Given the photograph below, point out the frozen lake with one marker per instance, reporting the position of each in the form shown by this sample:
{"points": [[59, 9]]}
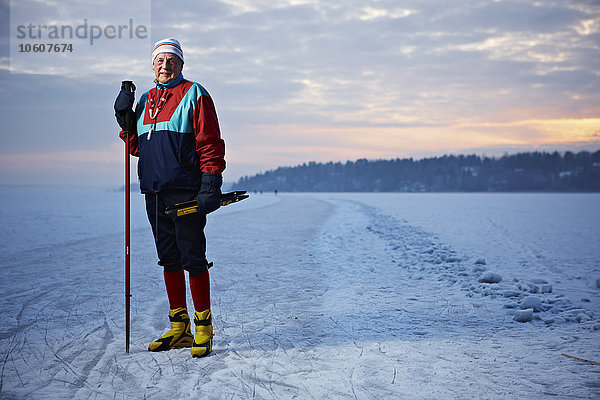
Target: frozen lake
{"points": [[329, 295]]}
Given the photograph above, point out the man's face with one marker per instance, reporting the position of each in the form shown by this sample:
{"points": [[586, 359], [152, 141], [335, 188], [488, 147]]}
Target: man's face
{"points": [[166, 67]]}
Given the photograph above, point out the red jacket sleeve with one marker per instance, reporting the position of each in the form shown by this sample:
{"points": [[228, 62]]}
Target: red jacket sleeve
{"points": [[134, 149], [209, 145]]}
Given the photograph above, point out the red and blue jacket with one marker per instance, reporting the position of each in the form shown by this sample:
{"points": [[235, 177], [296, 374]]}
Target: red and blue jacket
{"points": [[178, 137]]}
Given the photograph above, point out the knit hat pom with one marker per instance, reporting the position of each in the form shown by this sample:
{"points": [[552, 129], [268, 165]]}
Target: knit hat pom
{"points": [[169, 45]]}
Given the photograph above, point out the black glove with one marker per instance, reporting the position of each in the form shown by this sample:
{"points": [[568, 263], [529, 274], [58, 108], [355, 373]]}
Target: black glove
{"points": [[209, 196], [126, 120], [123, 104]]}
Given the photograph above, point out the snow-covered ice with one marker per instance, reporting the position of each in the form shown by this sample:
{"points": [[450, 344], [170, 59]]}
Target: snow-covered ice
{"points": [[366, 296]]}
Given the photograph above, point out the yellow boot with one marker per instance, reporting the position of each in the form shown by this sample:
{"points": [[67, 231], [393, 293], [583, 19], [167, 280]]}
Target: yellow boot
{"points": [[202, 345], [179, 335]]}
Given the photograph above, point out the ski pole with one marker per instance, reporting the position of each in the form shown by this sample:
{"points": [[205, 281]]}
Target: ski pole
{"points": [[127, 242], [123, 105]]}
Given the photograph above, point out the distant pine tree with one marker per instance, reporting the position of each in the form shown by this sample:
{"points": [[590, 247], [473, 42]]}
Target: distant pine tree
{"points": [[533, 171]]}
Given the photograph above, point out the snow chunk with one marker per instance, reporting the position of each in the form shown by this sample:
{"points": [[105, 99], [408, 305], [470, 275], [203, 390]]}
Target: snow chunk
{"points": [[532, 302], [546, 288], [523, 315], [511, 293], [479, 268], [490, 277], [522, 287], [533, 288], [577, 315], [539, 281]]}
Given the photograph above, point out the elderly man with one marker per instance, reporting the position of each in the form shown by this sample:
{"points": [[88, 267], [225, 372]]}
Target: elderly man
{"points": [[175, 132]]}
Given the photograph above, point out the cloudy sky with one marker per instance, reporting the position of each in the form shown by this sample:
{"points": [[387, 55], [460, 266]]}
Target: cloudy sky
{"points": [[312, 80]]}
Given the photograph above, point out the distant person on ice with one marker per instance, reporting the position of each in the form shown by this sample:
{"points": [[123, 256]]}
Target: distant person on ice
{"points": [[181, 158]]}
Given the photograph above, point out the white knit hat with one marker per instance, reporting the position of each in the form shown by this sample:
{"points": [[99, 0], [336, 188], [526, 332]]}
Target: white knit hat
{"points": [[169, 45]]}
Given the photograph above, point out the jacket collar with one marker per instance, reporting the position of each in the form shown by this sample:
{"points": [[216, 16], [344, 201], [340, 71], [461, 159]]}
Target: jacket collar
{"points": [[171, 84]]}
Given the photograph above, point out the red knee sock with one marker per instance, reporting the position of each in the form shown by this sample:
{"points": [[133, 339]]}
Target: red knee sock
{"points": [[175, 284], [200, 288]]}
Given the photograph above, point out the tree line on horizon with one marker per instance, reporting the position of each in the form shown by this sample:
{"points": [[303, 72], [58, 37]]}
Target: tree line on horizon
{"points": [[522, 172]]}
